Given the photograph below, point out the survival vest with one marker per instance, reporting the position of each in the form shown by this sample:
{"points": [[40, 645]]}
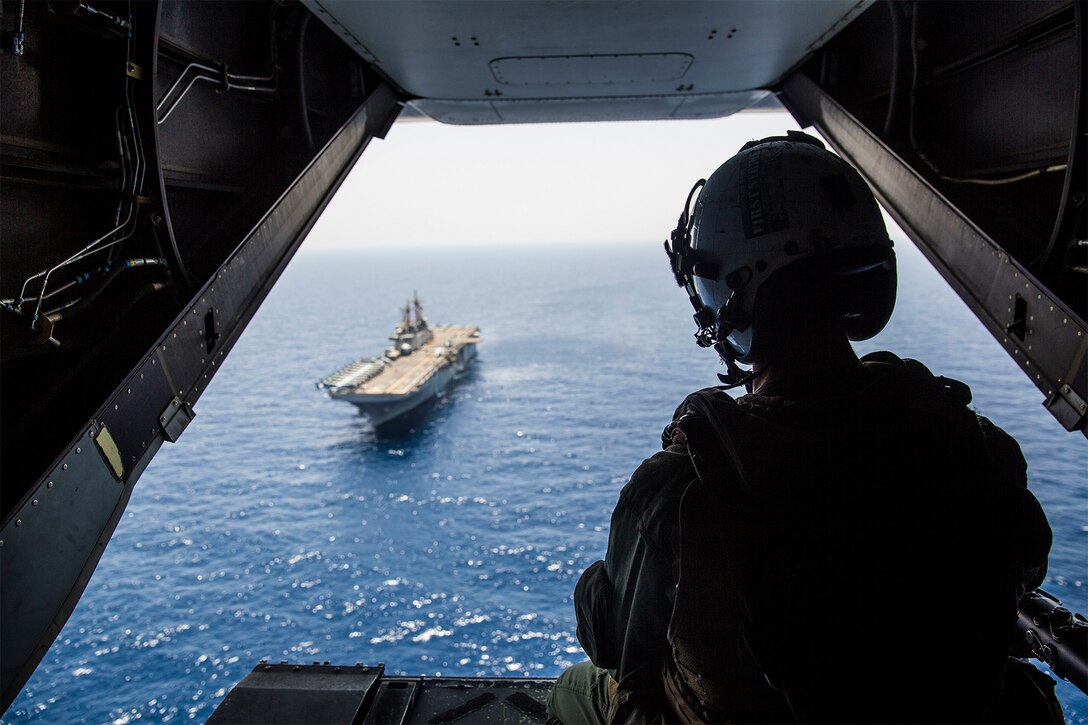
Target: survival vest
{"points": [[855, 559]]}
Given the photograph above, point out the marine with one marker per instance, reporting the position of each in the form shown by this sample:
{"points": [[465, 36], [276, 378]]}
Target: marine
{"points": [[846, 542]]}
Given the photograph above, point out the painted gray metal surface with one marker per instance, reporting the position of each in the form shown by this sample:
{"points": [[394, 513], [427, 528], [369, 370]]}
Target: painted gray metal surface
{"points": [[494, 62]]}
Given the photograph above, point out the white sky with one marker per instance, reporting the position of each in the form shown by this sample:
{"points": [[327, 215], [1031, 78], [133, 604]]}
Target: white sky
{"points": [[429, 184]]}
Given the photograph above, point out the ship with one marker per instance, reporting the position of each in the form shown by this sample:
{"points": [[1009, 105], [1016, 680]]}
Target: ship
{"points": [[419, 366]]}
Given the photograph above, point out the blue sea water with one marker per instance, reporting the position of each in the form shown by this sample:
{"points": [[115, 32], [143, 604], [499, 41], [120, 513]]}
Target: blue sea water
{"points": [[280, 526]]}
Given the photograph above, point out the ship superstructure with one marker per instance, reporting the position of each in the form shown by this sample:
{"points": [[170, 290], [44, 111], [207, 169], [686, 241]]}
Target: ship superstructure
{"points": [[418, 366]]}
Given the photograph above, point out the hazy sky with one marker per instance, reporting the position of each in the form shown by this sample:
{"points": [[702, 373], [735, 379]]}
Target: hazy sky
{"points": [[431, 184]]}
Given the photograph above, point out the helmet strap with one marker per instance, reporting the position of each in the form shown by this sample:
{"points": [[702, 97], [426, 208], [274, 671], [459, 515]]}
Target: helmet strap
{"points": [[685, 264], [734, 376]]}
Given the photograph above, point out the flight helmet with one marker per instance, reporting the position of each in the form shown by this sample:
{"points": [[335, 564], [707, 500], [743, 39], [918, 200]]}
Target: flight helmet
{"points": [[781, 220]]}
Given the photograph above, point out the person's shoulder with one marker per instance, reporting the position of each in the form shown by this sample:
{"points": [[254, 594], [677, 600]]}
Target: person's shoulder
{"points": [[926, 387], [1004, 452], [659, 480]]}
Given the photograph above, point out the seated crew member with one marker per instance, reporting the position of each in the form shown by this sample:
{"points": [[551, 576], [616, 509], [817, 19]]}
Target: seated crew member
{"points": [[848, 541]]}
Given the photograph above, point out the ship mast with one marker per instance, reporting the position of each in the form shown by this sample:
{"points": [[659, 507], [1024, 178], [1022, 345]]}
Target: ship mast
{"points": [[419, 308]]}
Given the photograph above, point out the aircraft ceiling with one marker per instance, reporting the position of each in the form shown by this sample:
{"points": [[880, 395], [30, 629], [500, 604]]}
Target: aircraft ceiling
{"points": [[551, 60]]}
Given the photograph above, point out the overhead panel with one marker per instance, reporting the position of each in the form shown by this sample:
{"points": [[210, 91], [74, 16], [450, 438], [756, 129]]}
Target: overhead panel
{"points": [[515, 62]]}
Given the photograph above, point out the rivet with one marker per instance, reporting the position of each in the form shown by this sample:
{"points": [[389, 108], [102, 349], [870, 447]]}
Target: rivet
{"points": [[175, 403], [115, 406], [64, 466], [91, 434], [130, 391], [78, 450], [164, 348], [134, 459], [49, 485], [141, 376], [175, 334], [34, 502], [18, 522], [143, 444]]}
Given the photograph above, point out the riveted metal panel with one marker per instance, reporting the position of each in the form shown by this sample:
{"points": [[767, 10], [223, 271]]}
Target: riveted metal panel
{"points": [[38, 567], [125, 413]]}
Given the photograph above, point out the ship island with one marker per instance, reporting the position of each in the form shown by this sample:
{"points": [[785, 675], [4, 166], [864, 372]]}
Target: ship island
{"points": [[419, 366]]}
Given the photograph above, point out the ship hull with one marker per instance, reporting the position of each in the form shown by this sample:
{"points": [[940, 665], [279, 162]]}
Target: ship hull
{"points": [[383, 410]]}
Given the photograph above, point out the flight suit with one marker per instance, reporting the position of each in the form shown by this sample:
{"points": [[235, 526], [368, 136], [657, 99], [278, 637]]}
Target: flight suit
{"points": [[855, 558]]}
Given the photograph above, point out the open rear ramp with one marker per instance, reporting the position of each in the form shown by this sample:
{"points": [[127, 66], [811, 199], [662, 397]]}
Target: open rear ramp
{"points": [[327, 694]]}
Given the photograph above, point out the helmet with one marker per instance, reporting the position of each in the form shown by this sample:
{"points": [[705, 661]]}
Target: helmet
{"points": [[771, 225]]}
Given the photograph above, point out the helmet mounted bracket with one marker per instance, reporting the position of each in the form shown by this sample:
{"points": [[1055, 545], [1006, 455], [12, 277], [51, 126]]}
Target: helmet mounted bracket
{"points": [[712, 327]]}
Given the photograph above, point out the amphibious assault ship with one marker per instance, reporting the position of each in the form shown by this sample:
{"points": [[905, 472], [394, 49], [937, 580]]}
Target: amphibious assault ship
{"points": [[419, 366]]}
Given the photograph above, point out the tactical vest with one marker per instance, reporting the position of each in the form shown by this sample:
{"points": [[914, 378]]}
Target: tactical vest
{"points": [[857, 559]]}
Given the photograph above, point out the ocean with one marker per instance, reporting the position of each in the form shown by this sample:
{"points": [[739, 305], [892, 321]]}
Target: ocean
{"points": [[281, 527]]}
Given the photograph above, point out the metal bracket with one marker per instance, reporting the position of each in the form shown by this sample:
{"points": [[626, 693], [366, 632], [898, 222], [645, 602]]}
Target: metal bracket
{"points": [[175, 418], [1069, 408], [1019, 325], [211, 331]]}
